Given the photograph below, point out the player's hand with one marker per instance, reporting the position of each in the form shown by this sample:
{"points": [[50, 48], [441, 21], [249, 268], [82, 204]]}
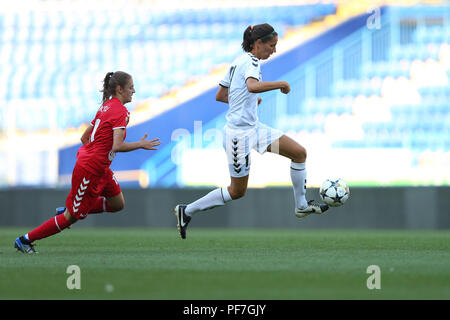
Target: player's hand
{"points": [[149, 144], [285, 88], [259, 101]]}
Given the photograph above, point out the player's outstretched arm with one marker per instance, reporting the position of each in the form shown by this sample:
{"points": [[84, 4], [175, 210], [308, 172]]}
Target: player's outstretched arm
{"points": [[149, 144], [256, 86], [119, 145]]}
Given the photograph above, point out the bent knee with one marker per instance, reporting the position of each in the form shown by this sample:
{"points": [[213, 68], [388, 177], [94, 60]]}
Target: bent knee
{"points": [[116, 207], [119, 207], [237, 193], [300, 154]]}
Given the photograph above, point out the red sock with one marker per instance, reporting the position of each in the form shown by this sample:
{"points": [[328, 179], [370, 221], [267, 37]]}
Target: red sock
{"points": [[101, 205], [49, 228]]}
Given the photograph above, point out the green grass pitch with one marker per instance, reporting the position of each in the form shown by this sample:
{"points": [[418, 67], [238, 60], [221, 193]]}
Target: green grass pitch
{"points": [[228, 264]]}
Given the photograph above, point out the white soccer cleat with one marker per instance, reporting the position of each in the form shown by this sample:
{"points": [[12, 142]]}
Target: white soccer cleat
{"points": [[312, 207]]}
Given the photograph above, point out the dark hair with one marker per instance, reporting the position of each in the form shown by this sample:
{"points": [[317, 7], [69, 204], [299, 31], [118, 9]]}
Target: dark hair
{"points": [[111, 81], [264, 31]]}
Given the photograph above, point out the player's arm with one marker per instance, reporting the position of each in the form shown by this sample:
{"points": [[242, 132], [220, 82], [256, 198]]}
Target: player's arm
{"points": [[222, 94], [119, 145], [255, 86], [85, 137]]}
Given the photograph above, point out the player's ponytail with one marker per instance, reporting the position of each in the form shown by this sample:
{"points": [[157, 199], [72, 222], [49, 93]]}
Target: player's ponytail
{"points": [[264, 31], [106, 90], [111, 81], [247, 42]]}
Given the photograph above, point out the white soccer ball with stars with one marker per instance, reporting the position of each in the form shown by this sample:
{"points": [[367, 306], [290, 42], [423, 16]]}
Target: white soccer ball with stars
{"points": [[334, 192]]}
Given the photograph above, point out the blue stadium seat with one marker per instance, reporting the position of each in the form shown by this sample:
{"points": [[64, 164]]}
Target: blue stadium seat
{"points": [[51, 43]]}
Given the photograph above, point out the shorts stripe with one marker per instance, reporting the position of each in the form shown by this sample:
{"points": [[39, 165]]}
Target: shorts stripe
{"points": [[79, 196]]}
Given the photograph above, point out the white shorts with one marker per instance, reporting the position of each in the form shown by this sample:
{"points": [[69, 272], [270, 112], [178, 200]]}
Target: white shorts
{"points": [[239, 142]]}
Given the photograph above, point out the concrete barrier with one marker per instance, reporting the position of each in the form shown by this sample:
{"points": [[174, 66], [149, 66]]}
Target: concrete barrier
{"points": [[367, 208]]}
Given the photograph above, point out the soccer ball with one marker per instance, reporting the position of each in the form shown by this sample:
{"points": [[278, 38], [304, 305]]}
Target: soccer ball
{"points": [[334, 192]]}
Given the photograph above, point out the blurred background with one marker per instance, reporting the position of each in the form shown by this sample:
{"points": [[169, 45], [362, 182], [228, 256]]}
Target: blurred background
{"points": [[370, 98]]}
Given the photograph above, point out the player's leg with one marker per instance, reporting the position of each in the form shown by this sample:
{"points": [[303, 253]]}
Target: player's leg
{"points": [[108, 204], [216, 198], [78, 202], [50, 227], [291, 149], [115, 203], [103, 204], [237, 148], [183, 213], [238, 187], [111, 199]]}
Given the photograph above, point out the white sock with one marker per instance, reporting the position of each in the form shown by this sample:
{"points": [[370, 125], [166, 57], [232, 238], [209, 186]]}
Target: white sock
{"points": [[298, 177], [215, 198]]}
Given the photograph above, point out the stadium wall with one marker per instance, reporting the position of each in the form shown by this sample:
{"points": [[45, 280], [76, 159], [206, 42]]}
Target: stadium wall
{"points": [[368, 208]]}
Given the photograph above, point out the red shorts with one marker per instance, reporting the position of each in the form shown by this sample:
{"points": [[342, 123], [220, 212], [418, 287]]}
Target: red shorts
{"points": [[86, 188]]}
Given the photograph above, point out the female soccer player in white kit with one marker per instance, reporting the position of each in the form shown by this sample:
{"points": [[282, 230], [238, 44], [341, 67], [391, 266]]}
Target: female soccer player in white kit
{"points": [[243, 132]]}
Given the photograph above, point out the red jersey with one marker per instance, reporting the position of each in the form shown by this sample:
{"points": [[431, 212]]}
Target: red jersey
{"points": [[97, 155]]}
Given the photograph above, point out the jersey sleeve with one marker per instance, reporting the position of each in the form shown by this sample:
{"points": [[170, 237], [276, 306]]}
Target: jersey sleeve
{"points": [[225, 82], [252, 69], [121, 120]]}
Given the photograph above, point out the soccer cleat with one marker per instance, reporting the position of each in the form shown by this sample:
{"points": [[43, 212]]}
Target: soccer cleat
{"points": [[24, 246], [312, 207], [182, 218], [60, 210]]}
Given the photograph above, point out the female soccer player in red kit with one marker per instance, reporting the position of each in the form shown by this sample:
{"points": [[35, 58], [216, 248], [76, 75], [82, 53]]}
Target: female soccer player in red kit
{"points": [[94, 187]]}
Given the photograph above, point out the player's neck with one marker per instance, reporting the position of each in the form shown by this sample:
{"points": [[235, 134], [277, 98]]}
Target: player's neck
{"points": [[119, 98], [254, 53]]}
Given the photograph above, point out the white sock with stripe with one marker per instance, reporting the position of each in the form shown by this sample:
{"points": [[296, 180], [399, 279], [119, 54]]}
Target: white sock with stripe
{"points": [[298, 177], [215, 198]]}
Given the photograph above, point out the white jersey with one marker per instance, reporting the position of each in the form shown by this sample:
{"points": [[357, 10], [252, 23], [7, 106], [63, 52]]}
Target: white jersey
{"points": [[243, 104]]}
